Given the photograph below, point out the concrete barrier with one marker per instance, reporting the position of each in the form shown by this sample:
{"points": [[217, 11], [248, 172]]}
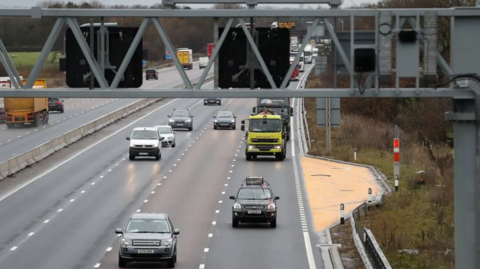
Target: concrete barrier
{"points": [[48, 148]]}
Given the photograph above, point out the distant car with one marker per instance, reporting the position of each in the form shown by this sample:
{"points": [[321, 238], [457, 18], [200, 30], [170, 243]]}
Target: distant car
{"points": [[148, 237], [225, 119], [151, 73], [254, 203], [181, 119], [55, 104], [203, 61], [145, 142], [168, 135], [214, 101]]}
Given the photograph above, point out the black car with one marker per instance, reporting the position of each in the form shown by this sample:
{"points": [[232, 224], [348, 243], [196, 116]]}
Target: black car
{"points": [[151, 73], [55, 104], [225, 119], [212, 101], [254, 203], [181, 118]]}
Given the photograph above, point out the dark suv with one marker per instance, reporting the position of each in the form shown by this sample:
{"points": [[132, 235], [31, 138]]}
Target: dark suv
{"points": [[255, 203], [148, 237], [212, 101], [151, 73], [55, 104], [225, 119]]}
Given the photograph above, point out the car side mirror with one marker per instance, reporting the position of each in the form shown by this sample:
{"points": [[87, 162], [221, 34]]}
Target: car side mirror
{"points": [[232, 197], [253, 109], [214, 117], [168, 116], [174, 132], [128, 138], [234, 117], [242, 127], [118, 231], [176, 231], [191, 116], [63, 101], [243, 121], [161, 138], [277, 197]]}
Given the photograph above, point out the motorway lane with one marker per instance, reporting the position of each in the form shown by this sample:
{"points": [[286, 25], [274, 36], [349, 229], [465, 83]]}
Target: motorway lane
{"points": [[14, 143], [190, 194], [70, 225]]}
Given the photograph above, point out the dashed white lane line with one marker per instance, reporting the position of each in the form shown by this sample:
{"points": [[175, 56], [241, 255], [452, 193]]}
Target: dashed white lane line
{"points": [[13, 248], [159, 184], [202, 266], [30, 234]]}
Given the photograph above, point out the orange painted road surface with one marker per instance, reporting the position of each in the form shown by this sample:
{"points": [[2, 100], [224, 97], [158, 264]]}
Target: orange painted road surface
{"points": [[330, 184]]}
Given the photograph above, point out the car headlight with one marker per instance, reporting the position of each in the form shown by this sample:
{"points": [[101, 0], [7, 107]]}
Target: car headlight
{"points": [[233, 121], [251, 147], [171, 120], [215, 121], [278, 147], [126, 241], [271, 206], [237, 206], [188, 120], [167, 242]]}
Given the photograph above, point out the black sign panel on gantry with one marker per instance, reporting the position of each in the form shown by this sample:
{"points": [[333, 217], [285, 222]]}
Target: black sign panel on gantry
{"points": [[274, 46], [120, 40]]}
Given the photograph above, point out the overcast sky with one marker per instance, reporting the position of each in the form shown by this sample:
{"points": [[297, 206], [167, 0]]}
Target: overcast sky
{"points": [[29, 3]]}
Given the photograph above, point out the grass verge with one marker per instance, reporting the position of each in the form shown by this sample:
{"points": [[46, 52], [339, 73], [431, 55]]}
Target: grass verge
{"points": [[342, 234], [415, 226]]}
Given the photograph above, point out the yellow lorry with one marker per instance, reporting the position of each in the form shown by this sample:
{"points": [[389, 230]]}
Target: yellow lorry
{"points": [[185, 56], [266, 135], [27, 110]]}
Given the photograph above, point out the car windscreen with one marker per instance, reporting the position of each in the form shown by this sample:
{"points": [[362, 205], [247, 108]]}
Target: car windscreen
{"points": [[254, 194], [265, 126], [144, 134], [224, 115], [147, 226], [150, 71], [181, 114], [164, 130]]}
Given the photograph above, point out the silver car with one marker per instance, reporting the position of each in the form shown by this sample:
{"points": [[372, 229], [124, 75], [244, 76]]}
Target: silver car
{"points": [[148, 237], [168, 135], [181, 119]]}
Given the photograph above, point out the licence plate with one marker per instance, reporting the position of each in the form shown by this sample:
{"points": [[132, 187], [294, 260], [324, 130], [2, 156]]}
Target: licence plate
{"points": [[180, 124], [254, 212], [143, 153], [145, 251]]}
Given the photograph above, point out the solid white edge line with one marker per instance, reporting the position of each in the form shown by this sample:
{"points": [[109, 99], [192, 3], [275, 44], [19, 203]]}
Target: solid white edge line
{"points": [[306, 235]]}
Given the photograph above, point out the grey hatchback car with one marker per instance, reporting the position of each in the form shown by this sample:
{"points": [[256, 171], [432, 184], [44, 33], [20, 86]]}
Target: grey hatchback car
{"points": [[148, 237]]}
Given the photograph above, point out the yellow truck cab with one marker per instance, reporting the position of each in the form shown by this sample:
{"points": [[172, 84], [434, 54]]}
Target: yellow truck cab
{"points": [[185, 57], [27, 110], [265, 135]]}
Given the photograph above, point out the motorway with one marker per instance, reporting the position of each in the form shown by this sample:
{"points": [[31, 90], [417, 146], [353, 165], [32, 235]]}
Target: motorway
{"points": [[79, 112], [66, 218]]}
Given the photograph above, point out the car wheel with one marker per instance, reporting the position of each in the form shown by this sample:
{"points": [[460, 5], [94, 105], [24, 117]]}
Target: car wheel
{"points": [[173, 145], [273, 223], [159, 156], [234, 223], [190, 129], [234, 127], [131, 157], [219, 103], [61, 111], [215, 127], [121, 262], [171, 262]]}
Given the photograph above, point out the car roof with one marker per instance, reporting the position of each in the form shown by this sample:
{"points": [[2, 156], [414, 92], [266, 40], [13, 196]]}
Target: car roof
{"points": [[145, 128], [255, 181], [163, 216], [151, 70], [180, 110], [225, 111], [158, 126]]}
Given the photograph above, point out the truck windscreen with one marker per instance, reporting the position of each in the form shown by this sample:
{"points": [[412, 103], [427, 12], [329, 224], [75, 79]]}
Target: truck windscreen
{"points": [[265, 126], [278, 110]]}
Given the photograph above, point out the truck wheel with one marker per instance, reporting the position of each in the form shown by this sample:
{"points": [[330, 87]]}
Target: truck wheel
{"points": [[248, 157], [36, 120], [10, 125], [45, 118], [288, 137]]}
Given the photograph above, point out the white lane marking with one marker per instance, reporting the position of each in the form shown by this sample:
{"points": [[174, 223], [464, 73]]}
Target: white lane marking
{"points": [[220, 201], [306, 235], [217, 211], [82, 151], [210, 235], [109, 249], [205, 250], [214, 223], [202, 266], [14, 248], [97, 265], [46, 221]]}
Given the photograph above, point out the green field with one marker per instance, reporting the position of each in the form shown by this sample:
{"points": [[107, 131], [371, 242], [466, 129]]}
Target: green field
{"points": [[29, 58]]}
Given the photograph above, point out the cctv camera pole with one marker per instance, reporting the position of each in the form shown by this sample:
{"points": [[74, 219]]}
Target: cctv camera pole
{"points": [[251, 54]]}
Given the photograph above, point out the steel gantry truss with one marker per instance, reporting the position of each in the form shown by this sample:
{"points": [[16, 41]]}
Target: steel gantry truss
{"points": [[465, 63]]}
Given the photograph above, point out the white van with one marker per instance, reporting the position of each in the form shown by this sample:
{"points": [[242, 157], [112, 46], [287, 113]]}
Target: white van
{"points": [[203, 62]]}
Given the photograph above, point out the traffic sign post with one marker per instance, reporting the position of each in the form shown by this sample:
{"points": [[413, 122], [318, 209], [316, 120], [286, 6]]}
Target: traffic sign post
{"points": [[396, 159]]}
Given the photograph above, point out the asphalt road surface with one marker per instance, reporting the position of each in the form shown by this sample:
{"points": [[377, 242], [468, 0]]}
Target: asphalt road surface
{"points": [[77, 112], [67, 218]]}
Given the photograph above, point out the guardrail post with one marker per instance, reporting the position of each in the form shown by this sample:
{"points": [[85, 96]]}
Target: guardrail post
{"points": [[342, 214], [370, 194], [396, 183], [354, 154]]}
